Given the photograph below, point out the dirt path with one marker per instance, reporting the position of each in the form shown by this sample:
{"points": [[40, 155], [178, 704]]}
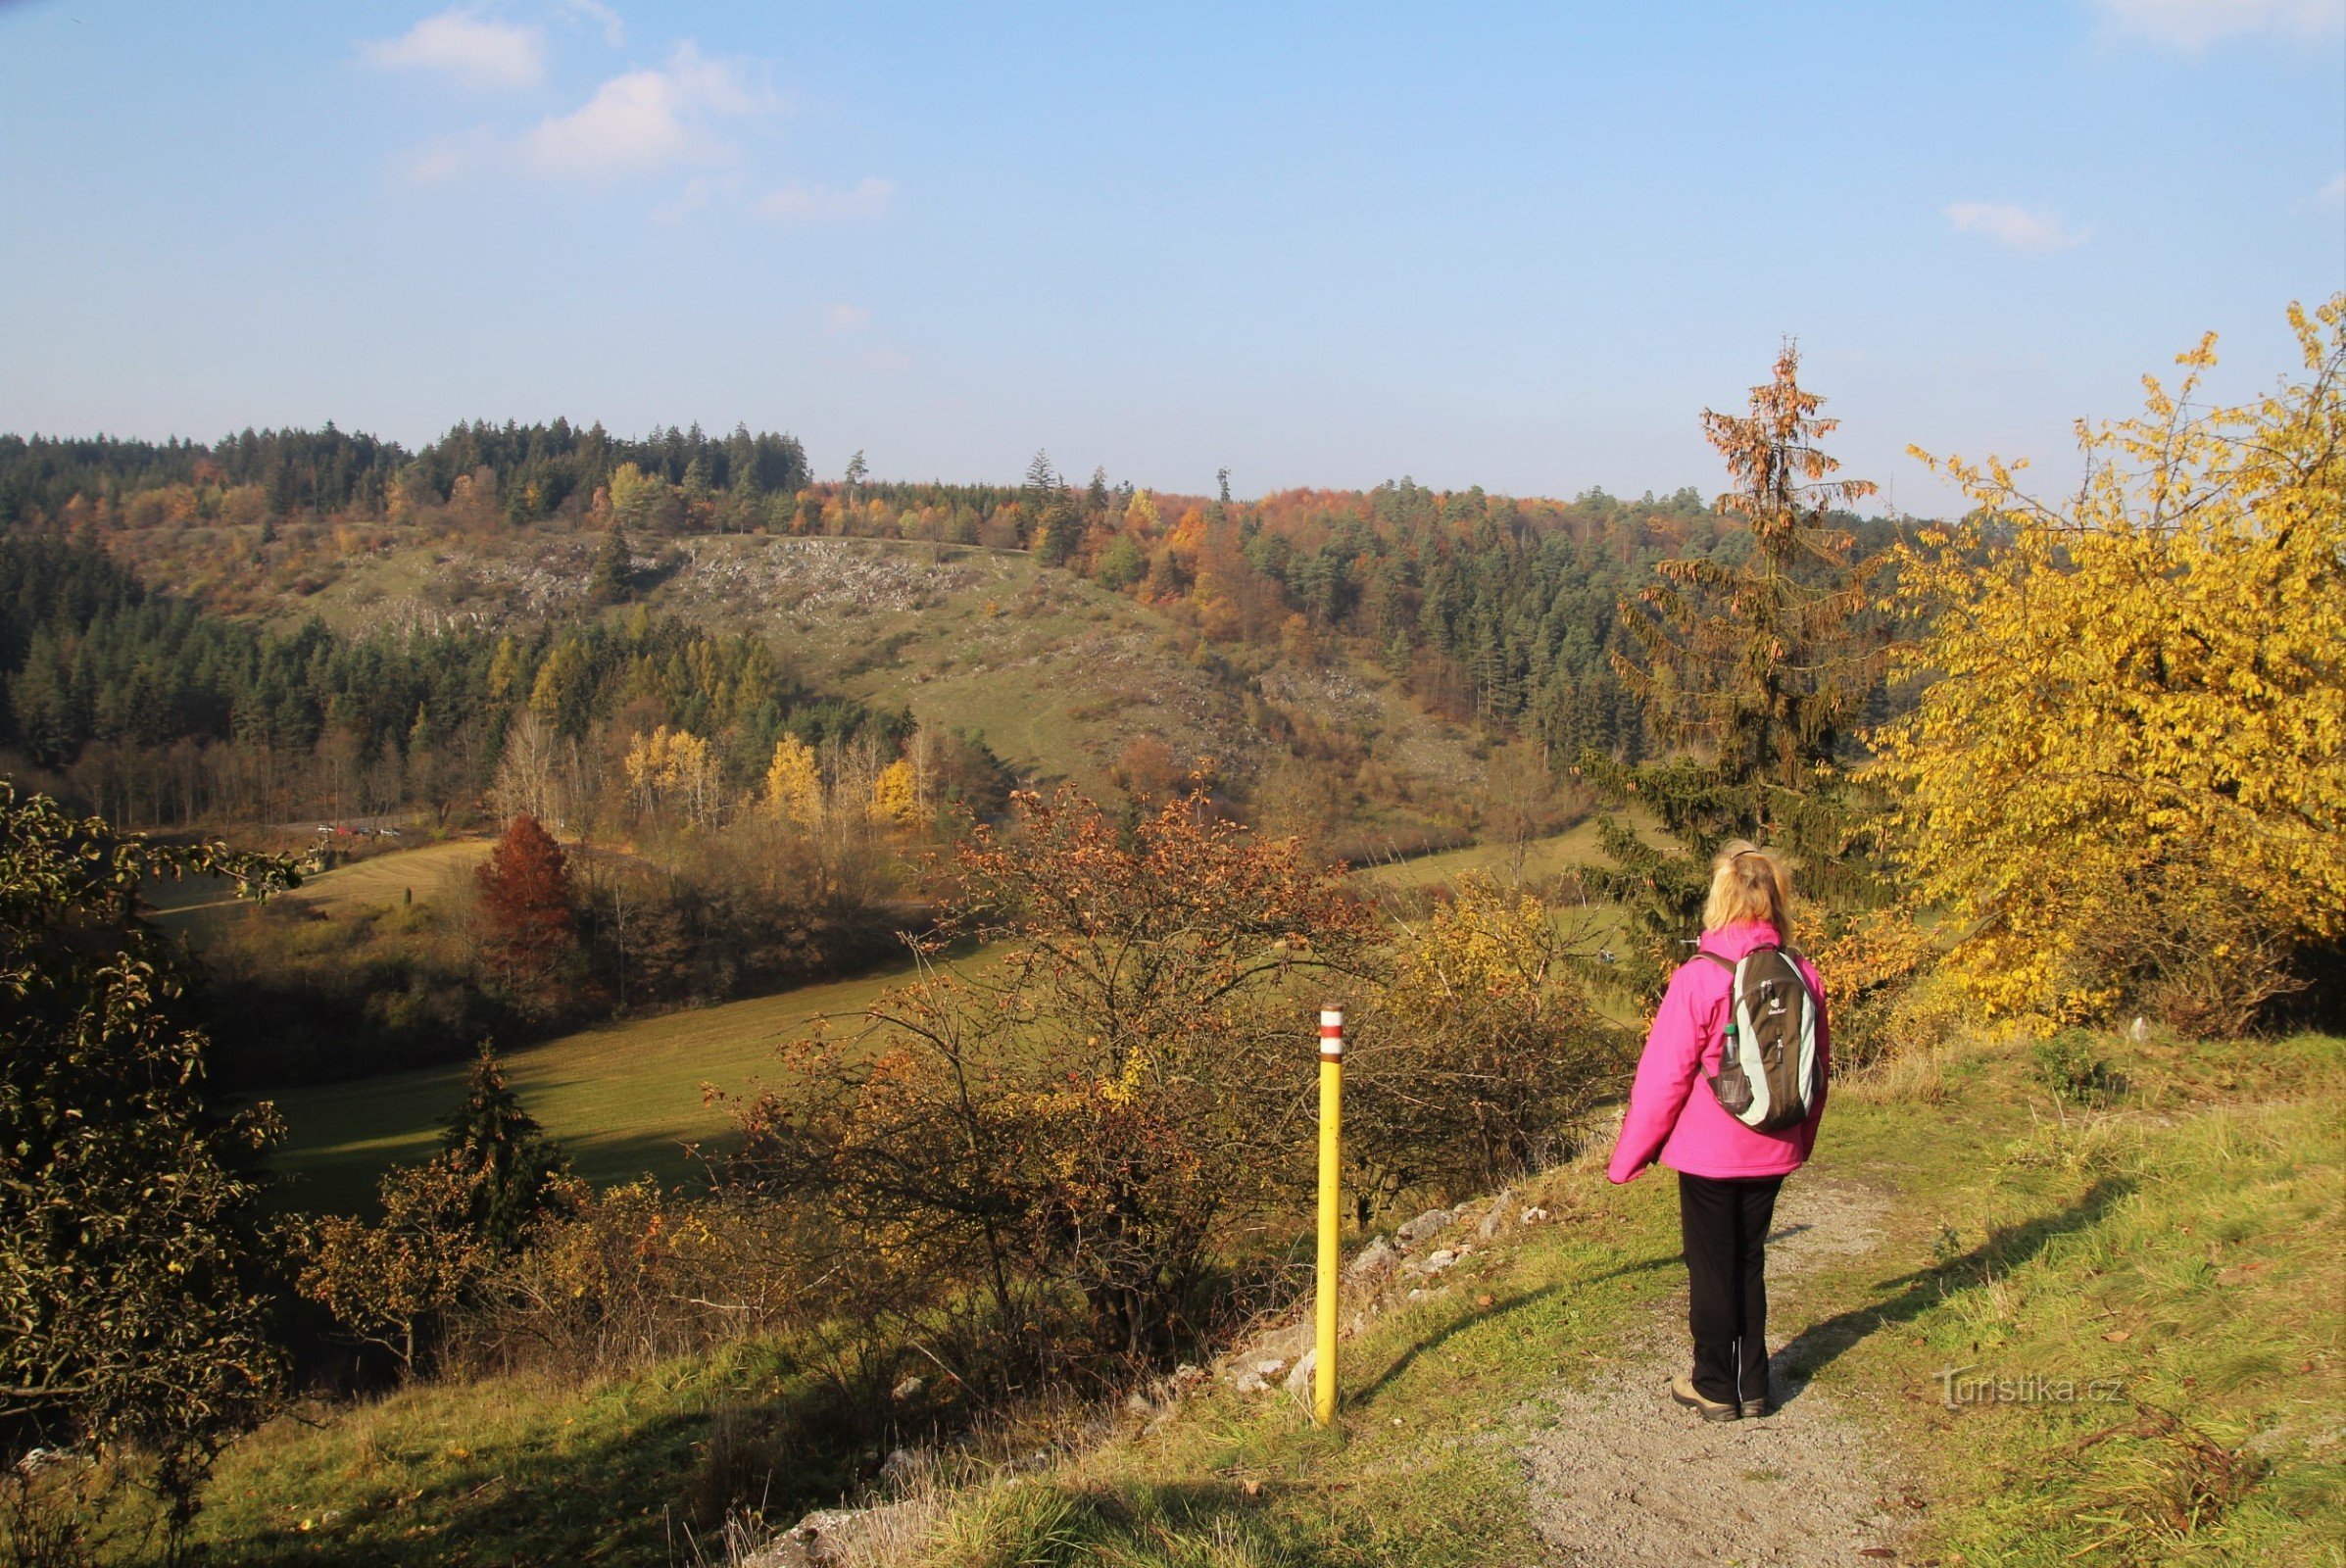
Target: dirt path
{"points": [[1621, 1476]]}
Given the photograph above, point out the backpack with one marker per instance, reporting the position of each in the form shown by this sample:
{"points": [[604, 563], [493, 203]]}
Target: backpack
{"points": [[1768, 1076]]}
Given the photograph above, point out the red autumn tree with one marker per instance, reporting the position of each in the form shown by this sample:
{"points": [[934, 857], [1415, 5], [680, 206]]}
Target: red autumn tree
{"points": [[527, 938]]}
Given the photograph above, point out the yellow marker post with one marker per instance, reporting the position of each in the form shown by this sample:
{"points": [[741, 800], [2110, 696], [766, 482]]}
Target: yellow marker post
{"points": [[1331, 1095]]}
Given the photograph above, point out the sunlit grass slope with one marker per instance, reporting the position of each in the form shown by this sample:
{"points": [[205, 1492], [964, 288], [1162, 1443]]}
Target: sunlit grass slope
{"points": [[2179, 1247], [623, 1099], [2180, 1241], [199, 908]]}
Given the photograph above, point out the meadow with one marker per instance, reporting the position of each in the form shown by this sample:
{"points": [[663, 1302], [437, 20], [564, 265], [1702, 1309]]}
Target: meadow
{"points": [[624, 1099], [2173, 1236]]}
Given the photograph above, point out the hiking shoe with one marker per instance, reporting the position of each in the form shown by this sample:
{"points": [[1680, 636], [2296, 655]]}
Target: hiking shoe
{"points": [[1754, 1409], [1682, 1388]]}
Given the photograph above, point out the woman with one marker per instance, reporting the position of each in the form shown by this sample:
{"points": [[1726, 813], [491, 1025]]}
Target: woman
{"points": [[1728, 1173]]}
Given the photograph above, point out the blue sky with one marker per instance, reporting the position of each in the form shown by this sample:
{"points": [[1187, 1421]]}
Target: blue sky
{"points": [[1515, 246]]}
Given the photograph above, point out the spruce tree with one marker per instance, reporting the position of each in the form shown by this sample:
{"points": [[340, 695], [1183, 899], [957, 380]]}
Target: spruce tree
{"points": [[507, 1156], [1751, 670], [614, 578]]}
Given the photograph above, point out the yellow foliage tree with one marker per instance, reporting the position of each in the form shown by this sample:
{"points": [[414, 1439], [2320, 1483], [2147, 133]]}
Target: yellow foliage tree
{"points": [[673, 767], [634, 495], [1482, 1048], [2128, 782], [794, 784], [896, 794]]}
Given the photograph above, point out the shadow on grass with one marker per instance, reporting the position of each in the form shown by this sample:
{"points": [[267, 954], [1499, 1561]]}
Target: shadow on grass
{"points": [[1499, 1309], [615, 1487], [2006, 1247], [345, 1184], [1170, 1522], [1450, 1331]]}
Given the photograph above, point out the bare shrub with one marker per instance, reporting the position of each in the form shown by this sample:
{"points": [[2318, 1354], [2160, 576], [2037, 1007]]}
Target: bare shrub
{"points": [[2173, 938]]}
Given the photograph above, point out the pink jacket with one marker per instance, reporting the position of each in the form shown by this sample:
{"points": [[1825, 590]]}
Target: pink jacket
{"points": [[1673, 1116]]}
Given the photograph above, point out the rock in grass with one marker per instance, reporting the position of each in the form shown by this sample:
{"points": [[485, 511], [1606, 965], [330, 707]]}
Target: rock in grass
{"points": [[1430, 1223]]}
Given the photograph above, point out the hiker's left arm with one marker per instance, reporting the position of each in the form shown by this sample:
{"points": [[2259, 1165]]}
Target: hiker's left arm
{"points": [[1666, 1075]]}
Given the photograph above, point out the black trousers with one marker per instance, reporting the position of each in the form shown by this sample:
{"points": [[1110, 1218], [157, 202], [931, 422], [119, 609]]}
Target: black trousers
{"points": [[1725, 1227]]}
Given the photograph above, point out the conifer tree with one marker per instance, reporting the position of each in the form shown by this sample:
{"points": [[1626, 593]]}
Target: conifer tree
{"points": [[1753, 670], [614, 567], [504, 1155]]}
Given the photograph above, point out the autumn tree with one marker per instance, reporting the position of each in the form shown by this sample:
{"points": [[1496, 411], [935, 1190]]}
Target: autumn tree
{"points": [[1753, 668], [2126, 783], [128, 1231], [389, 1281], [794, 784], [675, 770], [1475, 1059], [528, 941], [1103, 1112], [896, 794]]}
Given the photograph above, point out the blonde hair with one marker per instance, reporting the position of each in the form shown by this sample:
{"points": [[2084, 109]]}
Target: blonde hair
{"points": [[1749, 883]]}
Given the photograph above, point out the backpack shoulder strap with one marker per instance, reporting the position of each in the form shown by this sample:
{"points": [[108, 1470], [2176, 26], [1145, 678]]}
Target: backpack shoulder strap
{"points": [[1728, 965]]}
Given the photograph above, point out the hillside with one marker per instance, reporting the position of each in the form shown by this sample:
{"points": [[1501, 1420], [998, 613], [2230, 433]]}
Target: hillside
{"points": [[1059, 674], [1963, 1223]]}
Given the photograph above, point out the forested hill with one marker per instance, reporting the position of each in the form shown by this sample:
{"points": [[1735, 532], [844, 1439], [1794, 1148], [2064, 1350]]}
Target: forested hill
{"points": [[535, 467], [1498, 614]]}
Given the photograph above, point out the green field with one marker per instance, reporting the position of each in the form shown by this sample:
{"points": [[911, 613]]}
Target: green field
{"points": [[1542, 859], [623, 1099], [383, 880], [198, 907]]}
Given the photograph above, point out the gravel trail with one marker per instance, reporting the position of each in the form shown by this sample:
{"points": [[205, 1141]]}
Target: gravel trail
{"points": [[1622, 1476]]}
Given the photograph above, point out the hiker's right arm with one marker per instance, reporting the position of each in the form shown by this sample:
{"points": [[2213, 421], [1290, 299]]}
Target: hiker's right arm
{"points": [[1666, 1075]]}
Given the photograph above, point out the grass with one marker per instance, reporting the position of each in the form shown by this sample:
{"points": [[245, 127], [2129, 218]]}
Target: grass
{"points": [[1542, 859], [2176, 1255], [517, 1470], [384, 881], [200, 907], [2179, 1242], [623, 1099]]}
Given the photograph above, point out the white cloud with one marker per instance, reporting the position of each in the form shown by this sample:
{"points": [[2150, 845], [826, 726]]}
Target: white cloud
{"points": [[2328, 196], [615, 31], [2190, 26], [801, 203], [844, 317], [470, 48], [699, 191], [2016, 226], [445, 157], [647, 119]]}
